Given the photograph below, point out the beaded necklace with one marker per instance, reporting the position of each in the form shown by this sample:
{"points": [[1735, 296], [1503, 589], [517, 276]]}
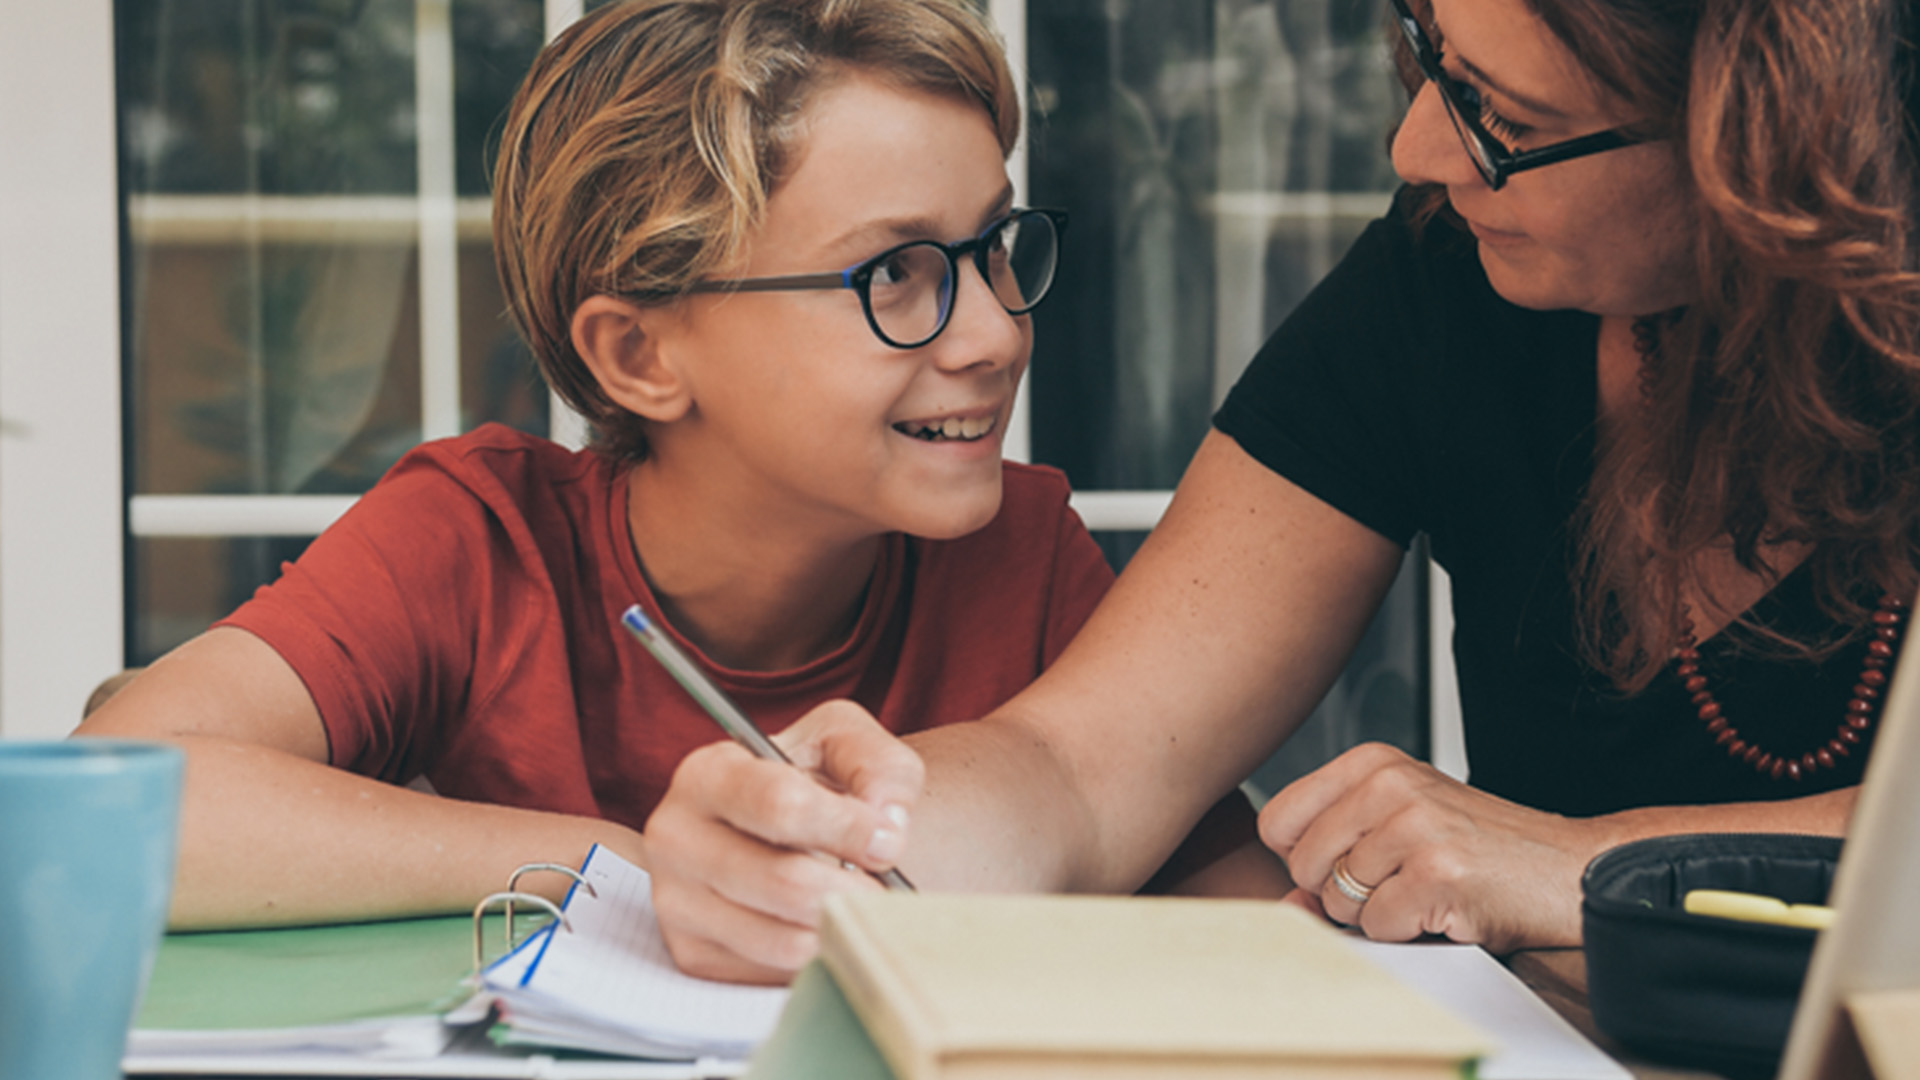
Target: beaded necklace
{"points": [[1867, 690]]}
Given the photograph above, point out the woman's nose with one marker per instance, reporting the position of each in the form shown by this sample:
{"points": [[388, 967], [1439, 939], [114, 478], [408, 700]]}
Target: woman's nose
{"points": [[1427, 148]]}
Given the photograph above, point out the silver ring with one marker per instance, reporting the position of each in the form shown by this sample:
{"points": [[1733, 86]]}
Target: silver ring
{"points": [[1350, 886]]}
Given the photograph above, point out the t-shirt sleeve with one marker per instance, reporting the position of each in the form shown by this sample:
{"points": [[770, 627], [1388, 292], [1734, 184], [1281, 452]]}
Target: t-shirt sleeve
{"points": [[366, 618], [1331, 400]]}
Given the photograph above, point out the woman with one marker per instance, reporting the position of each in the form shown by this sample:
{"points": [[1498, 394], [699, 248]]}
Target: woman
{"points": [[1637, 349]]}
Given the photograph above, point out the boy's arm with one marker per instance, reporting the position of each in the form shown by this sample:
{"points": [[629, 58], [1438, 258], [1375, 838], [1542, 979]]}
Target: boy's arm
{"points": [[270, 833]]}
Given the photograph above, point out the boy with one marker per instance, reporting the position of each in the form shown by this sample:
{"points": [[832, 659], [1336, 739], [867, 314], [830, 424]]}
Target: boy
{"points": [[769, 250]]}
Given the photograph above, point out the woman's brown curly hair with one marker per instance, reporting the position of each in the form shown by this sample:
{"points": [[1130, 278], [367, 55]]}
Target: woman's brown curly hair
{"points": [[1783, 405]]}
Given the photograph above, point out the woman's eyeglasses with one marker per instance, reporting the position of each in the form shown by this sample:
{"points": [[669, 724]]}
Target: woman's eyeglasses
{"points": [[1464, 108], [907, 291]]}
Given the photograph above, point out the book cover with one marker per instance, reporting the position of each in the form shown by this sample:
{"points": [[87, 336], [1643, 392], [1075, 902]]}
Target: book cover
{"points": [[1057, 986]]}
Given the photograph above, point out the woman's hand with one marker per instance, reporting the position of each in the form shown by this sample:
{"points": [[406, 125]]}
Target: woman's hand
{"points": [[1440, 857], [743, 851]]}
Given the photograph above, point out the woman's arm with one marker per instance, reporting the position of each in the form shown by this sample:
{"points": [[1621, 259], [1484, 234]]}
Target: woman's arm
{"points": [[270, 833], [1220, 637], [1444, 858]]}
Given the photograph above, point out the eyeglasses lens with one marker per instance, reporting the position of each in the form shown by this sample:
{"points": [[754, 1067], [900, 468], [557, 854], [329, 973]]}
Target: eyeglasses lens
{"points": [[1475, 148], [1429, 61], [911, 292]]}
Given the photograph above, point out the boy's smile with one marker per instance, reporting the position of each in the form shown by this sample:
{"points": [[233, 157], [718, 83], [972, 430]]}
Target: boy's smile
{"points": [[963, 429]]}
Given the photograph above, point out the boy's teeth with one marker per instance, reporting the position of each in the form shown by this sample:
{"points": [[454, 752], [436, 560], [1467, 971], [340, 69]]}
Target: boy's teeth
{"points": [[952, 427]]}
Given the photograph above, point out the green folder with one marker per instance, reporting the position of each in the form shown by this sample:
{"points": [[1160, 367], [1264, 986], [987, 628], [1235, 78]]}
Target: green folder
{"points": [[314, 975]]}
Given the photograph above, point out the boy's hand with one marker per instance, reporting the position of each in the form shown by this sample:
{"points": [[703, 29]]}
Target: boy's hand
{"points": [[743, 851]]}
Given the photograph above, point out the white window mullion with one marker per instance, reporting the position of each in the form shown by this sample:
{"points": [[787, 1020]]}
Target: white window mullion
{"points": [[235, 515], [564, 426], [439, 220], [1010, 17]]}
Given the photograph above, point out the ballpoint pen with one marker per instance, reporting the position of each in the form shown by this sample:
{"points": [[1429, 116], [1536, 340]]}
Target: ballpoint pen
{"points": [[722, 709]]}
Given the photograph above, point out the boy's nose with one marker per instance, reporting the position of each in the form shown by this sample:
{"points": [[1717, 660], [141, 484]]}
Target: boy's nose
{"points": [[1427, 148], [980, 331]]}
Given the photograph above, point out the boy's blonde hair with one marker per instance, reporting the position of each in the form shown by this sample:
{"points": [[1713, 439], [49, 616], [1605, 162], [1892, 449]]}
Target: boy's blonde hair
{"points": [[642, 147]]}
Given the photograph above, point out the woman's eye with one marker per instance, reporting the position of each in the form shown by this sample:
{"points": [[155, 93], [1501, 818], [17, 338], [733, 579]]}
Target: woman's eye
{"points": [[1496, 124]]}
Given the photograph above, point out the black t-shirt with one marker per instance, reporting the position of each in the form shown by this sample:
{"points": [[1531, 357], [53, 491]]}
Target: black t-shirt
{"points": [[1407, 394]]}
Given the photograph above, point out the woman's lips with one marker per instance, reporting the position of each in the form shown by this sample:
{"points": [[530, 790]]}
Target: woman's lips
{"points": [[1496, 237]]}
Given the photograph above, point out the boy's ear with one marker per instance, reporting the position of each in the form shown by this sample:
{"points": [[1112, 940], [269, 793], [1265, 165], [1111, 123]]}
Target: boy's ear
{"points": [[626, 347]]}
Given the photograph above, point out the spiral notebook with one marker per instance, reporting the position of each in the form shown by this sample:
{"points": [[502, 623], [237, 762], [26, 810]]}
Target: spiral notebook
{"points": [[604, 982]]}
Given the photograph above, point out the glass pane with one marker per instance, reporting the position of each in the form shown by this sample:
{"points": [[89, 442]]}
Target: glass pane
{"points": [[183, 584], [494, 42], [1218, 158], [271, 154]]}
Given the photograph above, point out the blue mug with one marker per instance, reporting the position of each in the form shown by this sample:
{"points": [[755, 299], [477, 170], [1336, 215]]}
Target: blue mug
{"points": [[88, 830]]}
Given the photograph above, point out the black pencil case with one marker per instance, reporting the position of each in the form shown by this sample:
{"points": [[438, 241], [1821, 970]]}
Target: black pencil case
{"points": [[1695, 989]]}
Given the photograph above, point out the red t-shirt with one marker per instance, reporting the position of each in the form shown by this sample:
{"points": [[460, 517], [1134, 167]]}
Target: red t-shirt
{"points": [[462, 622]]}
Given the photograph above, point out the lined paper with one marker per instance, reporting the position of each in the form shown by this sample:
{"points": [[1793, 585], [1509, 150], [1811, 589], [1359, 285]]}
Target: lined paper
{"points": [[607, 981]]}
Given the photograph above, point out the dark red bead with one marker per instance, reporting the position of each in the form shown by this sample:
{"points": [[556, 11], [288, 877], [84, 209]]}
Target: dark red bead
{"points": [[1857, 718]]}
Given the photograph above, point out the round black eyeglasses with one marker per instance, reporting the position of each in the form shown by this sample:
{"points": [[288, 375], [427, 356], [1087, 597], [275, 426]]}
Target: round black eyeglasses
{"points": [[907, 291], [1463, 103]]}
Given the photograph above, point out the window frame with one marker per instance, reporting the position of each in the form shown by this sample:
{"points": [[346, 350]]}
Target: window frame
{"points": [[66, 517]]}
